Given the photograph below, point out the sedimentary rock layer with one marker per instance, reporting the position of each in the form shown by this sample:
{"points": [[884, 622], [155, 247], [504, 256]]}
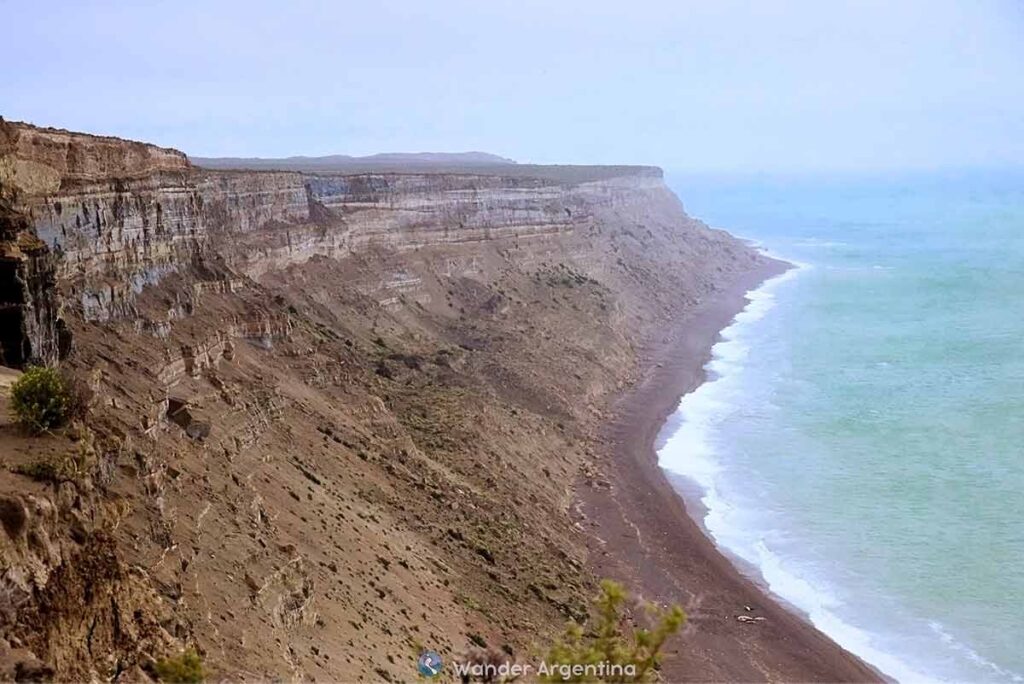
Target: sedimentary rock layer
{"points": [[122, 215]]}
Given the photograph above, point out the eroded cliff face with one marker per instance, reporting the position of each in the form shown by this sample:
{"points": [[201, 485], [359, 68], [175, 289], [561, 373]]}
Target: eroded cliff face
{"points": [[322, 402], [117, 233]]}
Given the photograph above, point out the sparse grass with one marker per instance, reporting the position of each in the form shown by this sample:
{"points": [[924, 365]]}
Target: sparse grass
{"points": [[73, 466], [43, 470], [186, 668]]}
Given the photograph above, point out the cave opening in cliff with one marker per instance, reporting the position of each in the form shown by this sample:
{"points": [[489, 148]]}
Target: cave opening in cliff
{"points": [[12, 324]]}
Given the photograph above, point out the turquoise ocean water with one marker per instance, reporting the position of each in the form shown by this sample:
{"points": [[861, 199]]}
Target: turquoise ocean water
{"points": [[861, 440]]}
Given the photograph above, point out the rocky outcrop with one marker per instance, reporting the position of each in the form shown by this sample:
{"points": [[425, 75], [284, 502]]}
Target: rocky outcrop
{"points": [[65, 593], [42, 161]]}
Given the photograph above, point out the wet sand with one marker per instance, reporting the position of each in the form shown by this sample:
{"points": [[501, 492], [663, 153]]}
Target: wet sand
{"points": [[641, 532]]}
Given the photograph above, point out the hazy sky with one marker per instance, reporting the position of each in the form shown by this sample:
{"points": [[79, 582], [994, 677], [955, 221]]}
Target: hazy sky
{"points": [[714, 85]]}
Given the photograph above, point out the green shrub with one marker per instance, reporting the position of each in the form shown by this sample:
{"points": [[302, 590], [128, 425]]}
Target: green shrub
{"points": [[613, 654], [186, 668], [40, 399]]}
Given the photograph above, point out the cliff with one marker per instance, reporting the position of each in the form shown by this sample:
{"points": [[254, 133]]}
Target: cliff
{"points": [[123, 215], [321, 401]]}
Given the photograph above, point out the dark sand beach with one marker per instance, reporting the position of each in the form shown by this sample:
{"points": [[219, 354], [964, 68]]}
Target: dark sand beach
{"points": [[642, 534]]}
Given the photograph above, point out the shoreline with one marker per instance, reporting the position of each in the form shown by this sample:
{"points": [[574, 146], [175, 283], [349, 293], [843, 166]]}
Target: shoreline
{"points": [[641, 532]]}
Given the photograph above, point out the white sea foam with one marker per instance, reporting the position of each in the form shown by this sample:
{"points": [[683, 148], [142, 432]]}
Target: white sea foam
{"points": [[820, 243], [973, 655], [691, 452]]}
